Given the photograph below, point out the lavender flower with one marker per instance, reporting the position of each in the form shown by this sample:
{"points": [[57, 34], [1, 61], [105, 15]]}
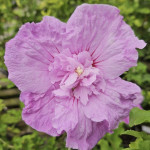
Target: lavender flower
{"points": [[68, 73]]}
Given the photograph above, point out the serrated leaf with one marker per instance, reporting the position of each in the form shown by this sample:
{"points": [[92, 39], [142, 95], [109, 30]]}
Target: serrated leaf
{"points": [[141, 138], [137, 134], [139, 116]]}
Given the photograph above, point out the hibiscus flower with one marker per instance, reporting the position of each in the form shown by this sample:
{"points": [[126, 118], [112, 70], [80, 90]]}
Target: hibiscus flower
{"points": [[68, 73]]}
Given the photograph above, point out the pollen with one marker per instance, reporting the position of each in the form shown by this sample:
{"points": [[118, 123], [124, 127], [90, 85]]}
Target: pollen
{"points": [[79, 71]]}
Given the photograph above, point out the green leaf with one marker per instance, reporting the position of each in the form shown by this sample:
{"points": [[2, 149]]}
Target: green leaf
{"points": [[139, 116], [145, 145], [12, 116], [137, 134], [141, 138], [104, 145], [135, 145]]}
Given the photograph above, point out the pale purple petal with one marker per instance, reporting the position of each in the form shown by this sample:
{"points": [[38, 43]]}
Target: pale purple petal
{"points": [[89, 76], [86, 133], [82, 94], [85, 59], [124, 91], [62, 92], [100, 30], [70, 80], [115, 103], [96, 109], [39, 111], [29, 54], [66, 115]]}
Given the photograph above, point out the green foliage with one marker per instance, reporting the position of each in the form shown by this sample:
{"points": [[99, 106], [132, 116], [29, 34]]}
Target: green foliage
{"points": [[146, 103], [139, 75], [139, 116], [137, 134], [142, 141], [112, 141], [33, 142], [14, 134], [12, 116]]}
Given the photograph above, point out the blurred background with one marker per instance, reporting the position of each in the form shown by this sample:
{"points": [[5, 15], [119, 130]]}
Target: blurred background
{"points": [[14, 133]]}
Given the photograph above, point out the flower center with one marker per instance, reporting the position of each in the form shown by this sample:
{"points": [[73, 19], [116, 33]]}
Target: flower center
{"points": [[79, 71]]}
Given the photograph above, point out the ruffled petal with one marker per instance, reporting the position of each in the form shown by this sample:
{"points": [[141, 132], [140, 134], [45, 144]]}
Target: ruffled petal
{"points": [[62, 93], [85, 59], [125, 92], [86, 133], [81, 93], [49, 114], [39, 111], [114, 104], [96, 108], [89, 76], [29, 54], [66, 115], [100, 30], [69, 81]]}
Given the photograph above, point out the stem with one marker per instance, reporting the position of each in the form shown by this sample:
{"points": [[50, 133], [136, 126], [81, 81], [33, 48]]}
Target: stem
{"points": [[69, 148]]}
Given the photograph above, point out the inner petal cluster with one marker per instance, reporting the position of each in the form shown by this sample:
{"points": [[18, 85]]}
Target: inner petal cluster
{"points": [[75, 77]]}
